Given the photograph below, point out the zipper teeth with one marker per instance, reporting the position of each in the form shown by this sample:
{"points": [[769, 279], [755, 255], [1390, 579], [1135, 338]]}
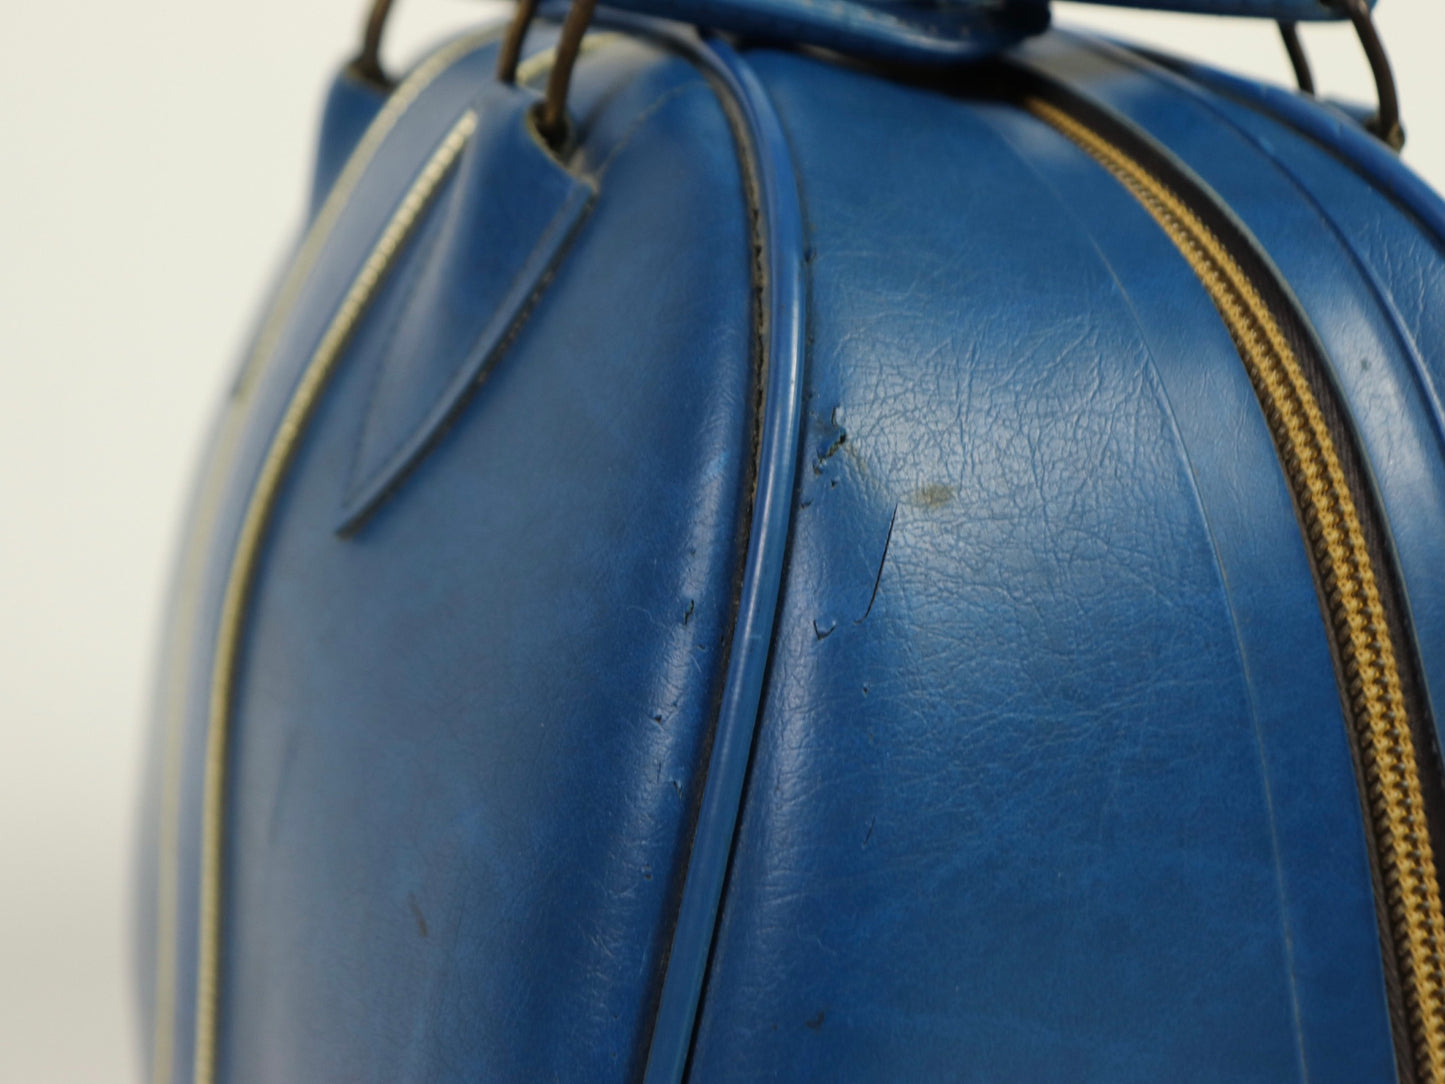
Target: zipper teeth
{"points": [[1354, 612], [243, 566]]}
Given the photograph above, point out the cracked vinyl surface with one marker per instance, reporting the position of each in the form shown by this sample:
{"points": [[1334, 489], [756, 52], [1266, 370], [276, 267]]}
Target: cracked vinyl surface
{"points": [[1048, 766]]}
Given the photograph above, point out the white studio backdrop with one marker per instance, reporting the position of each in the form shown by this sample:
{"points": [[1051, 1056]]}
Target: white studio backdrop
{"points": [[153, 166]]}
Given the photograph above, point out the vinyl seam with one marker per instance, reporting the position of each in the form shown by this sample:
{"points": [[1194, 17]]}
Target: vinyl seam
{"points": [[777, 206]]}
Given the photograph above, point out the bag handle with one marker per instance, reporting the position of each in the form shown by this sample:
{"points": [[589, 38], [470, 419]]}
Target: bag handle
{"points": [[551, 118], [906, 30], [1385, 124]]}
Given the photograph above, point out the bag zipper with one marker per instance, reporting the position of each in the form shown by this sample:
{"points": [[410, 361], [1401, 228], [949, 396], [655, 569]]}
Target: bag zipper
{"points": [[1378, 677]]}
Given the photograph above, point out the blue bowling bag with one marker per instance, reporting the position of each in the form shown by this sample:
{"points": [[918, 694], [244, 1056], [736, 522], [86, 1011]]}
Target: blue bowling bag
{"points": [[819, 540]]}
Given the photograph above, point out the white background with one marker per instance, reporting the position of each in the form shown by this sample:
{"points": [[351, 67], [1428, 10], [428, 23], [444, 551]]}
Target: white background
{"points": [[152, 169]]}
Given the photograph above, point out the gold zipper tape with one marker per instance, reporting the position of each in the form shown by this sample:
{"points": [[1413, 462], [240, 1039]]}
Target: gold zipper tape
{"points": [[1354, 614]]}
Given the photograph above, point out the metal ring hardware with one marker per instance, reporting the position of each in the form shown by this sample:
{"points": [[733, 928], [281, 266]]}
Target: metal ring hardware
{"points": [[1297, 58], [367, 64], [1385, 124], [551, 116]]}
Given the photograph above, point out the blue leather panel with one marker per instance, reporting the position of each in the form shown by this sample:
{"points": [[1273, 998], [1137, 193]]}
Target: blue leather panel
{"points": [[351, 105], [508, 217], [1373, 364], [472, 830], [1016, 702], [1331, 943]]}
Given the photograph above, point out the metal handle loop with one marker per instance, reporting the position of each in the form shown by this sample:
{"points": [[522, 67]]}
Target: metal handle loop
{"points": [[368, 62], [1385, 124], [552, 114], [1297, 59]]}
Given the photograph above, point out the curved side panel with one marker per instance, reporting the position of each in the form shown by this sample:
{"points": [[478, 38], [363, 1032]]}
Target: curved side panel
{"points": [[379, 170], [1336, 979], [1051, 760], [1385, 394], [467, 742]]}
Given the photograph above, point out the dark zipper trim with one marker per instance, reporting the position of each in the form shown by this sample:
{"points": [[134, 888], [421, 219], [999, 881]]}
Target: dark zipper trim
{"points": [[1396, 761]]}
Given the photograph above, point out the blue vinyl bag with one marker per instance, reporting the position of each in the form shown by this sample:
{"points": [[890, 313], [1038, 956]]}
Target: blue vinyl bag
{"points": [[818, 540]]}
